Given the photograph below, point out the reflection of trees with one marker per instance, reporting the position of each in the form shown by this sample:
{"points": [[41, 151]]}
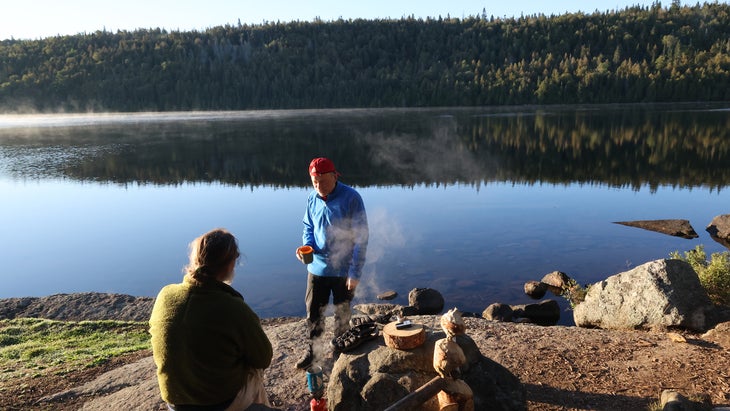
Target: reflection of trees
{"points": [[620, 147], [601, 145]]}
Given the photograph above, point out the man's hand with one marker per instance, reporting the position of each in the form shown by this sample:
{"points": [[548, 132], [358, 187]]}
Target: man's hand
{"points": [[352, 284]]}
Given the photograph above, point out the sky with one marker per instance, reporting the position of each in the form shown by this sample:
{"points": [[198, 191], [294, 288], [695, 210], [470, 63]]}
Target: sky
{"points": [[35, 19]]}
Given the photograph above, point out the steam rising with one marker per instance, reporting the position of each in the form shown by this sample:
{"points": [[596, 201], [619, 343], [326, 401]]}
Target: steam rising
{"points": [[441, 157], [386, 238]]}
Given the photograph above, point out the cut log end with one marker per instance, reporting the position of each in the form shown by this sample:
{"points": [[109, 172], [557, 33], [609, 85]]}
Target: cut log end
{"points": [[404, 338]]}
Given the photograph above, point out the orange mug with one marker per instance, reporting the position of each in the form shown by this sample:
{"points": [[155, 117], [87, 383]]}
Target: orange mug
{"points": [[306, 253]]}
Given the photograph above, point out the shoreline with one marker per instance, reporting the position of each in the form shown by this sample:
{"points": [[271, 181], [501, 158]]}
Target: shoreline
{"points": [[560, 367]]}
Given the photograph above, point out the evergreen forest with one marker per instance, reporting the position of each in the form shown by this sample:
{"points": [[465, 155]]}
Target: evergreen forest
{"points": [[641, 54]]}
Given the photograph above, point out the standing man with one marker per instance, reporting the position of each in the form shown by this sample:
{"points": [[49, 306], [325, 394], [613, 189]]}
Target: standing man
{"points": [[336, 227]]}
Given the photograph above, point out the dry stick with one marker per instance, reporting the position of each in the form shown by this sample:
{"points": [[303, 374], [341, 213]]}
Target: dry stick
{"points": [[419, 396]]}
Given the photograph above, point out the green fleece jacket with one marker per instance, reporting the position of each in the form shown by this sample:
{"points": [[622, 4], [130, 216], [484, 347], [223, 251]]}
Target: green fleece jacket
{"points": [[205, 339]]}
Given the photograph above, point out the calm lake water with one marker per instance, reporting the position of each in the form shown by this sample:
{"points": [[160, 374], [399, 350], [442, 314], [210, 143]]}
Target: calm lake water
{"points": [[473, 202]]}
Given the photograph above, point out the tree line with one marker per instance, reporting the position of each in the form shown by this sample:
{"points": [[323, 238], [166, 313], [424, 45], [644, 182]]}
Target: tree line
{"points": [[638, 54]]}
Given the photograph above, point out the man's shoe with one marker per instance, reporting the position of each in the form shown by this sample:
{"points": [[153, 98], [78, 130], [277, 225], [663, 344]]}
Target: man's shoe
{"points": [[306, 360]]}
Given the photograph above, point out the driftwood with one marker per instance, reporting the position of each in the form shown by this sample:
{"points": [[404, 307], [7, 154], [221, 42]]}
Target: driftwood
{"points": [[419, 396]]}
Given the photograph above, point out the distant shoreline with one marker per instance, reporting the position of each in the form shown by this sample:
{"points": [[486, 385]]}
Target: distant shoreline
{"points": [[89, 306], [79, 307]]}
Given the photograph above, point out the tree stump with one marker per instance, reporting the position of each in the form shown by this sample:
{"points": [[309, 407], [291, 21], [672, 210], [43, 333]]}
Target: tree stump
{"points": [[404, 338]]}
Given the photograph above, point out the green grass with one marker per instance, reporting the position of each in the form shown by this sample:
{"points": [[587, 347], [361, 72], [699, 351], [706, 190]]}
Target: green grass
{"points": [[31, 346]]}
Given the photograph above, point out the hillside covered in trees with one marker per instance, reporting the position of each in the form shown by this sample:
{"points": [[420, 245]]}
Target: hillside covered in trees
{"points": [[638, 54]]}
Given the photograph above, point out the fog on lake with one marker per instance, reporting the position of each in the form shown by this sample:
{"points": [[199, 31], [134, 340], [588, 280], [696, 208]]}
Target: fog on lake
{"points": [[472, 202]]}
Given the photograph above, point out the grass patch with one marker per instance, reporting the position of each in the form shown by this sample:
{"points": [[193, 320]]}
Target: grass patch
{"points": [[33, 347]]}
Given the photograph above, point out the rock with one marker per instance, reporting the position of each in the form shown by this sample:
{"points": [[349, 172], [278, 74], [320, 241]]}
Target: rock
{"points": [[498, 312], [388, 295], [719, 335], [427, 301], [657, 294], [676, 228], [470, 349], [557, 282], [719, 229], [535, 289], [375, 377], [79, 307], [134, 385], [671, 400], [546, 312], [677, 337], [382, 309], [536, 354]]}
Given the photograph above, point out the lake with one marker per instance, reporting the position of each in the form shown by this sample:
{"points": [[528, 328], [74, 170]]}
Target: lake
{"points": [[472, 202]]}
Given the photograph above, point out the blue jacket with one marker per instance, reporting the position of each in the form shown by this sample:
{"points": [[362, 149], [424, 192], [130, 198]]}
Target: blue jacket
{"points": [[337, 229]]}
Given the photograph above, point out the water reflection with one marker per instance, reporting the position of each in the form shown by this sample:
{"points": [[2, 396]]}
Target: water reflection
{"points": [[472, 202], [618, 146]]}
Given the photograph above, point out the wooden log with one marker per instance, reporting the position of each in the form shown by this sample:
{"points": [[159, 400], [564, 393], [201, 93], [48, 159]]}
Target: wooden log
{"points": [[456, 392], [404, 338], [419, 396], [447, 357], [448, 407]]}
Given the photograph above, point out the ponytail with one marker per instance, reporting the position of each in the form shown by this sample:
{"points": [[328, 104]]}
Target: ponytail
{"points": [[211, 253]]}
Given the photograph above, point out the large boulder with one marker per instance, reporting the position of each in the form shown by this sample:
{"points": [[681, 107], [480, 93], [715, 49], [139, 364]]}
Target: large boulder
{"points": [[658, 294], [375, 376], [426, 300], [719, 229]]}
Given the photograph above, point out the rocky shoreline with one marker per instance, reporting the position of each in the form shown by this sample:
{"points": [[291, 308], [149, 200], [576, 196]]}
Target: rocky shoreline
{"points": [[561, 368], [79, 307]]}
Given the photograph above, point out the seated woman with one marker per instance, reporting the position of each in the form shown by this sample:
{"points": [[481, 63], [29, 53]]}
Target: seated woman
{"points": [[207, 343]]}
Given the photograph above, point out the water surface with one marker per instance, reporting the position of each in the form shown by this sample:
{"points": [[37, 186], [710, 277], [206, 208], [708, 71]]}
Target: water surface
{"points": [[471, 202]]}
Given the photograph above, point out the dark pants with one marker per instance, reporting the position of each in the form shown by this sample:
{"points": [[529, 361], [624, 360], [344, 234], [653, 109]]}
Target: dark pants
{"points": [[318, 295]]}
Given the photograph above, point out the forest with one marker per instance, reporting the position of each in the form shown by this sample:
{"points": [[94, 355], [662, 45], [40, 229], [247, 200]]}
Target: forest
{"points": [[640, 54]]}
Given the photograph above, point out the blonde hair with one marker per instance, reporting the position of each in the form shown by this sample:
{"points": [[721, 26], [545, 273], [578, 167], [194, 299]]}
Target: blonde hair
{"points": [[211, 253]]}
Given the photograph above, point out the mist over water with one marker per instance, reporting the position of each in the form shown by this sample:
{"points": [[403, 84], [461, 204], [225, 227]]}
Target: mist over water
{"points": [[471, 202]]}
